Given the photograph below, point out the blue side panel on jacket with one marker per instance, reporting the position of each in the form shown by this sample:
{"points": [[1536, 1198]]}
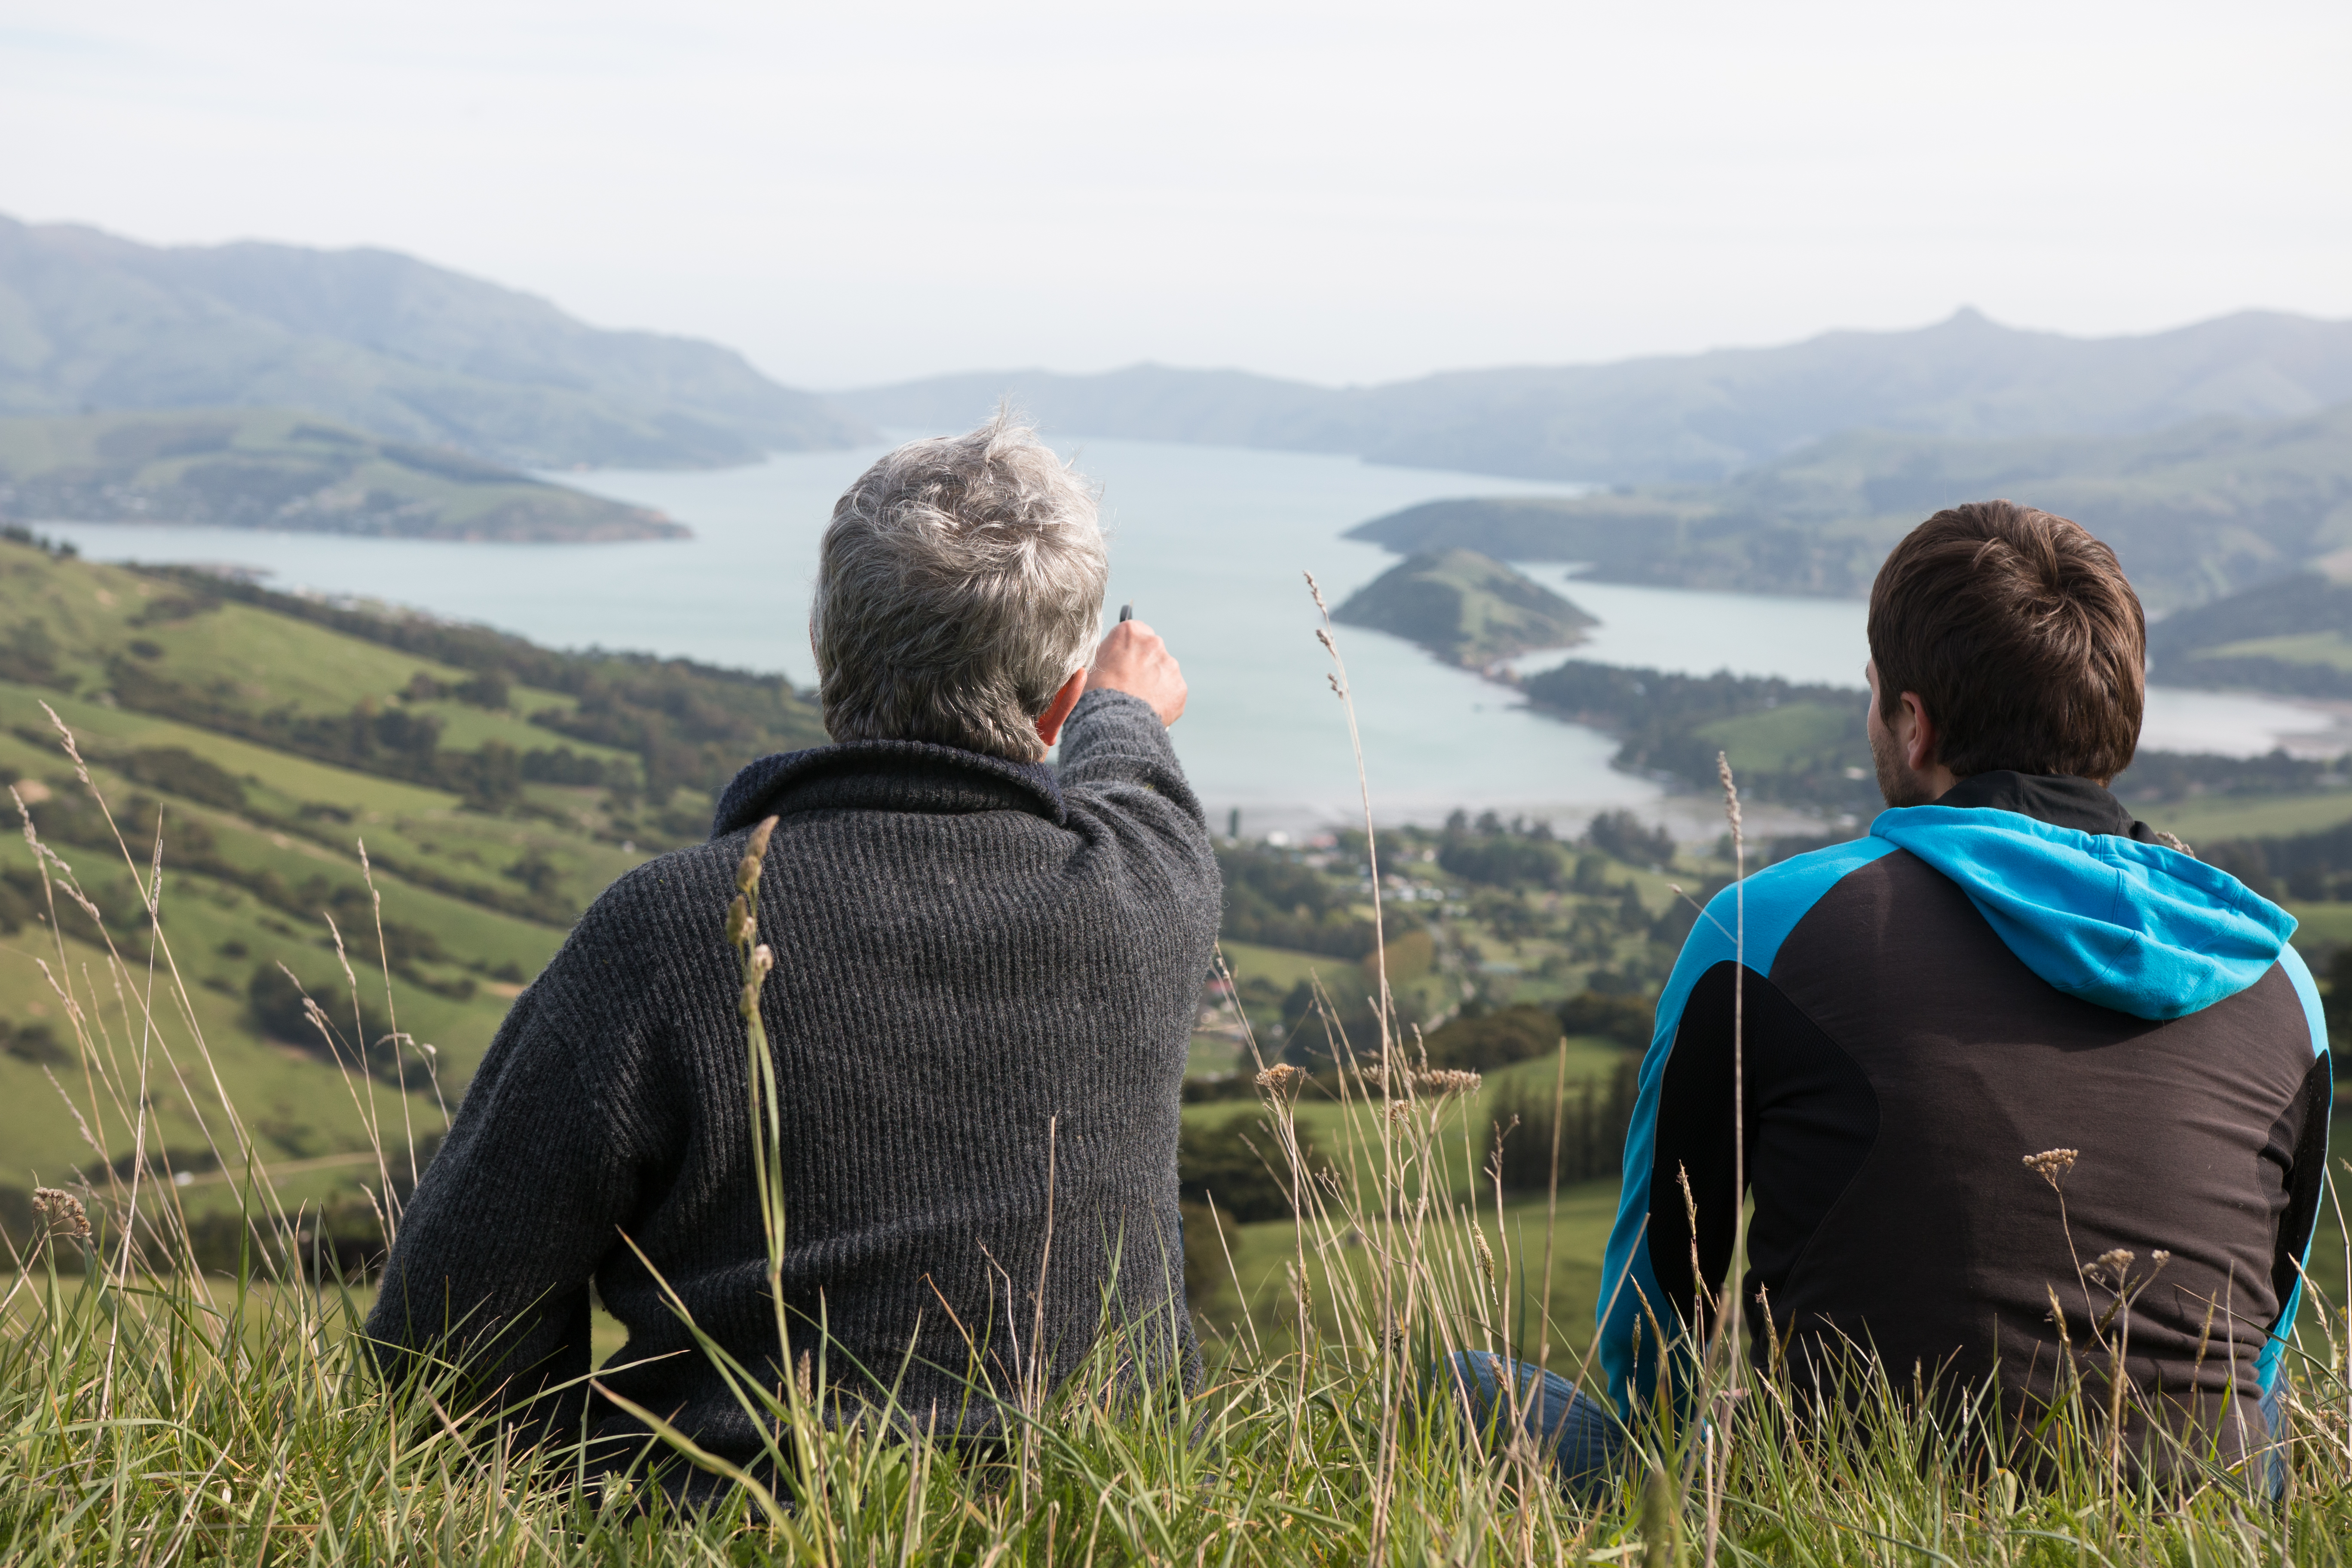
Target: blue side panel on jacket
{"points": [[2275, 1353], [1746, 922]]}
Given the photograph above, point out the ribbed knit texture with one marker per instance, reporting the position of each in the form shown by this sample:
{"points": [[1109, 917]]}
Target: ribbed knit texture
{"points": [[983, 975]]}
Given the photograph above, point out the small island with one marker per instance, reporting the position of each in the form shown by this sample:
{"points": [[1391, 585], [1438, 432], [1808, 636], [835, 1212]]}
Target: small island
{"points": [[258, 468], [1466, 608]]}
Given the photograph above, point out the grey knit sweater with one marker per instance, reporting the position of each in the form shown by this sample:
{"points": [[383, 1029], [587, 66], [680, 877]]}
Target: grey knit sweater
{"points": [[985, 982]]}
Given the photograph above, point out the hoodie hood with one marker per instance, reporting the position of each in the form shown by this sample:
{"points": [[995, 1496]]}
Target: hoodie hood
{"points": [[2137, 927]]}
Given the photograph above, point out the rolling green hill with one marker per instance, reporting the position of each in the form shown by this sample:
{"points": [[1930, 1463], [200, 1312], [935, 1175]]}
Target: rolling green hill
{"points": [[242, 467], [1465, 607], [496, 786], [2293, 635], [2194, 511]]}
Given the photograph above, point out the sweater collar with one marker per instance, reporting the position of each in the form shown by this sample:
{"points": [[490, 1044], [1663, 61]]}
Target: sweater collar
{"points": [[886, 775], [2058, 799]]}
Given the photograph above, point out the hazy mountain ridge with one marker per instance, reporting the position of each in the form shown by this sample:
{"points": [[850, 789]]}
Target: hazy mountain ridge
{"points": [[1690, 418], [397, 347], [2194, 511]]}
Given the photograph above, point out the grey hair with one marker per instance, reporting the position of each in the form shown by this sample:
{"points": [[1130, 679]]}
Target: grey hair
{"points": [[959, 583]]}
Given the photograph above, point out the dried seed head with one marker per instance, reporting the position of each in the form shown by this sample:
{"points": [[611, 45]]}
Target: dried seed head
{"points": [[1485, 1253], [755, 852], [2117, 1263], [1730, 791], [763, 960], [1317, 590], [740, 923], [1446, 1080], [2052, 1165], [1282, 1080], [60, 1214]]}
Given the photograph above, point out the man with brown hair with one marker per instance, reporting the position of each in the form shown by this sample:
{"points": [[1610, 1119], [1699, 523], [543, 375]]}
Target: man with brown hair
{"points": [[1910, 1049]]}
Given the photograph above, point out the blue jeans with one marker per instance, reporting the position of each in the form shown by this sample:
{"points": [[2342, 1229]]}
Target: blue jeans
{"points": [[1581, 1437]]}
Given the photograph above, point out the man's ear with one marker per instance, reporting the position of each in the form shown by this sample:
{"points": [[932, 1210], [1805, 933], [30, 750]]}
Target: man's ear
{"points": [[1049, 722], [1919, 746]]}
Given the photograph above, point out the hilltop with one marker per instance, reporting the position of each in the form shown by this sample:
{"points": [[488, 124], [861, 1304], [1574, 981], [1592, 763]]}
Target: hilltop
{"points": [[2192, 511], [2293, 635], [497, 786], [380, 341], [267, 468], [1465, 608], [1690, 418]]}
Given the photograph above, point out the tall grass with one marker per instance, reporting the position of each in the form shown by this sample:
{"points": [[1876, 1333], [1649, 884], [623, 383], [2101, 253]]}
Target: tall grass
{"points": [[153, 1412]]}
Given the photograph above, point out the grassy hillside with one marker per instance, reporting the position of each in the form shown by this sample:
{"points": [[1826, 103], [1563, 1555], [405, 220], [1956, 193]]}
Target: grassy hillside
{"points": [[2194, 511], [496, 787], [1465, 608], [270, 468], [2292, 636]]}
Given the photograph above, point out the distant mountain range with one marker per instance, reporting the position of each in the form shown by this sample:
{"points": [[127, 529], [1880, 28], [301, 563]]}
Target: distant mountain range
{"points": [[89, 322], [1695, 418], [2208, 455], [2193, 511]]}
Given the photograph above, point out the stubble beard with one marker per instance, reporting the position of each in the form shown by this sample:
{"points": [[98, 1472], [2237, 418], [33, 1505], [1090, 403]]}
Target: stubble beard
{"points": [[1897, 784]]}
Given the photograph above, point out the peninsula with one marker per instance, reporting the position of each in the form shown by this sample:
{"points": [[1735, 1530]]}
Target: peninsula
{"points": [[1466, 608], [244, 467]]}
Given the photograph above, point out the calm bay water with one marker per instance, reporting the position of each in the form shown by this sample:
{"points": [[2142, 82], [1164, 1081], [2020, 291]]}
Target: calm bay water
{"points": [[1210, 544]]}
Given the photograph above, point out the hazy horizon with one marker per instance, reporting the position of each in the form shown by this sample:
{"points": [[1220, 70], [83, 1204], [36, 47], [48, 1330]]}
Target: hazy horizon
{"points": [[1339, 196]]}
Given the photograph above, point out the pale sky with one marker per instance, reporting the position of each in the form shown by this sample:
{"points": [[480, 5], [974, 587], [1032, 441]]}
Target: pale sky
{"points": [[861, 193]]}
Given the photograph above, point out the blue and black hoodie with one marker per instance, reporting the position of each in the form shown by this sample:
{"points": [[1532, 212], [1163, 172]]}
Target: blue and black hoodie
{"points": [[2016, 969]]}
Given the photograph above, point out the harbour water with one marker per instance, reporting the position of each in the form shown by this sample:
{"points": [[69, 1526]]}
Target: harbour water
{"points": [[1210, 545]]}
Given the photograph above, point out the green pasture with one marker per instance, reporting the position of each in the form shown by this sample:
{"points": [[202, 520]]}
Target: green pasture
{"points": [[2206, 818], [1785, 737], [2332, 649]]}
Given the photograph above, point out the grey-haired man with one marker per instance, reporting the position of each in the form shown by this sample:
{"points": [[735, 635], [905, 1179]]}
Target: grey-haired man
{"points": [[986, 971]]}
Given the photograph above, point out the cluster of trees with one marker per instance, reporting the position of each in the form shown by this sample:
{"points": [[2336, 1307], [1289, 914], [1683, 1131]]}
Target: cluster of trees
{"points": [[2307, 866], [690, 724], [1590, 1120], [389, 741], [358, 1034], [1657, 715], [73, 819], [1235, 1162], [1274, 899], [1493, 853], [2176, 776]]}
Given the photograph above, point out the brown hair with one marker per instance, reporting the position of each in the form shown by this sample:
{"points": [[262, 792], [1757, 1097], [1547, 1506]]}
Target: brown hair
{"points": [[2021, 637]]}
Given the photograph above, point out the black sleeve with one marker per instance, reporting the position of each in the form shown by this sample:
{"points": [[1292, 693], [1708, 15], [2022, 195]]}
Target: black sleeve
{"points": [[1694, 1170], [1810, 1119], [2299, 1139]]}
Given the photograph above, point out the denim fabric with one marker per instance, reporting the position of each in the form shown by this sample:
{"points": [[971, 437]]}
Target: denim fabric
{"points": [[1581, 1434]]}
